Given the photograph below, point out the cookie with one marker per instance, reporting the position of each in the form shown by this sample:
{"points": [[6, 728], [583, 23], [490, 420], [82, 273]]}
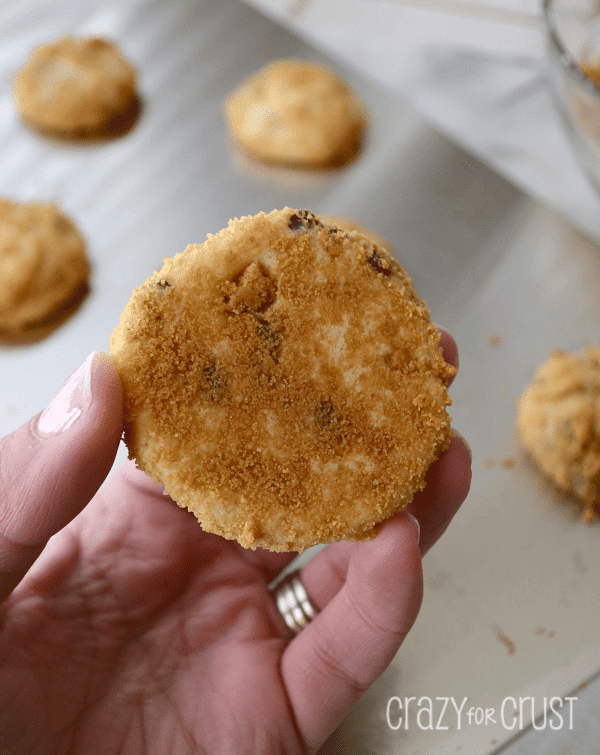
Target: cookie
{"points": [[296, 113], [284, 381], [558, 420], [43, 268], [77, 88], [353, 225]]}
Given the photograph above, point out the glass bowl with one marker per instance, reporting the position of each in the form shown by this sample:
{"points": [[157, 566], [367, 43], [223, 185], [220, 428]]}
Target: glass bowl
{"points": [[573, 51]]}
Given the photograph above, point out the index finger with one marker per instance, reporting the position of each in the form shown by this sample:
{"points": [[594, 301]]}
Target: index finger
{"points": [[51, 467]]}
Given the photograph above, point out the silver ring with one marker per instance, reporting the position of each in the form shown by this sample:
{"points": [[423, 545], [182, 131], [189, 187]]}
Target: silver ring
{"points": [[293, 603]]}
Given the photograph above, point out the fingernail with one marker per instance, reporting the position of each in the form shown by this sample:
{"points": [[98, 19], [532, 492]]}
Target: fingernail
{"points": [[416, 523], [70, 402], [456, 434]]}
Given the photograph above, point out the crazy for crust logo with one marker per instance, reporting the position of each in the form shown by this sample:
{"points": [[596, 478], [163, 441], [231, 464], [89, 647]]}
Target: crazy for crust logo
{"points": [[445, 713]]}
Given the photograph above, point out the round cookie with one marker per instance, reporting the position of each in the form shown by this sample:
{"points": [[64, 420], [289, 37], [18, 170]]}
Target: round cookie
{"points": [[284, 381], [43, 264], [76, 87], [296, 113], [558, 420], [353, 225]]}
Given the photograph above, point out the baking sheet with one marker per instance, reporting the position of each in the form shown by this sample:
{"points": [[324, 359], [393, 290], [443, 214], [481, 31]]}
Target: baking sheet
{"points": [[516, 559]]}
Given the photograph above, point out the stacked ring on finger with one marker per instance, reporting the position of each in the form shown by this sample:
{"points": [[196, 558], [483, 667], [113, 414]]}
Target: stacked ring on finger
{"points": [[293, 602]]}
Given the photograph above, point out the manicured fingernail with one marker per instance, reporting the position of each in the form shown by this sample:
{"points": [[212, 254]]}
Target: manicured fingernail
{"points": [[70, 402], [456, 434], [415, 521]]}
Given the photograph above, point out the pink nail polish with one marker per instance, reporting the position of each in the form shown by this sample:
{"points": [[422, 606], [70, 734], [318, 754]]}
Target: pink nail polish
{"points": [[416, 523], [70, 402]]}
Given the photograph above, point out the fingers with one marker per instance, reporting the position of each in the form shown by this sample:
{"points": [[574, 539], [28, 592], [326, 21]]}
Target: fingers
{"points": [[370, 593], [52, 466], [448, 482]]}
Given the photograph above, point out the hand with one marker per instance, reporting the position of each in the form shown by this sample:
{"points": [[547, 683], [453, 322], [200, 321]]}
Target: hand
{"points": [[132, 631]]}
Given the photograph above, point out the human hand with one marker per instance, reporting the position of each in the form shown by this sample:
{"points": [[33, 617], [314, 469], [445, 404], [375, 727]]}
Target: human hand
{"points": [[132, 631]]}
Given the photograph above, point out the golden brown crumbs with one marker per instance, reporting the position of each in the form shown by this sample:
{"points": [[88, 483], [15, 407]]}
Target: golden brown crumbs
{"points": [[509, 643], [338, 221], [282, 388]]}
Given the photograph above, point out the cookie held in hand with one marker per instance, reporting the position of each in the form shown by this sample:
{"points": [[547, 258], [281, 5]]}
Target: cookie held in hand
{"points": [[284, 381]]}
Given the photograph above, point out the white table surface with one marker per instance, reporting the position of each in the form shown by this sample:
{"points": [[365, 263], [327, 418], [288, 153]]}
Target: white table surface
{"points": [[487, 259]]}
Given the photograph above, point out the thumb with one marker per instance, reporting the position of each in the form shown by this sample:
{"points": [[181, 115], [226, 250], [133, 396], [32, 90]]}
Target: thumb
{"points": [[52, 466]]}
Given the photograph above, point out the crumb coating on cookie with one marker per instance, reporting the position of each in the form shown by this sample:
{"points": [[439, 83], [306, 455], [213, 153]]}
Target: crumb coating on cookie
{"points": [[42, 262], [284, 381], [348, 224], [558, 420]]}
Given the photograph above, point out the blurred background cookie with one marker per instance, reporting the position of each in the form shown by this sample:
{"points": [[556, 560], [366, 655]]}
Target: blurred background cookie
{"points": [[558, 420], [44, 269], [78, 88], [296, 113], [284, 381]]}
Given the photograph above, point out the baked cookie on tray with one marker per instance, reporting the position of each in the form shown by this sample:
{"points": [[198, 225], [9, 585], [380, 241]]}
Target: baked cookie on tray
{"points": [[44, 269], [558, 421], [284, 381], [296, 113], [77, 88]]}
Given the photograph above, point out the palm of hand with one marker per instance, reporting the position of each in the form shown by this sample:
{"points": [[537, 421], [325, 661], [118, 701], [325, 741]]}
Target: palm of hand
{"points": [[136, 632]]}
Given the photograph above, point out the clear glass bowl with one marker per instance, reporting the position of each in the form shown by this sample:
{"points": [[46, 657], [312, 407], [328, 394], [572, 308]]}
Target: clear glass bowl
{"points": [[573, 50]]}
